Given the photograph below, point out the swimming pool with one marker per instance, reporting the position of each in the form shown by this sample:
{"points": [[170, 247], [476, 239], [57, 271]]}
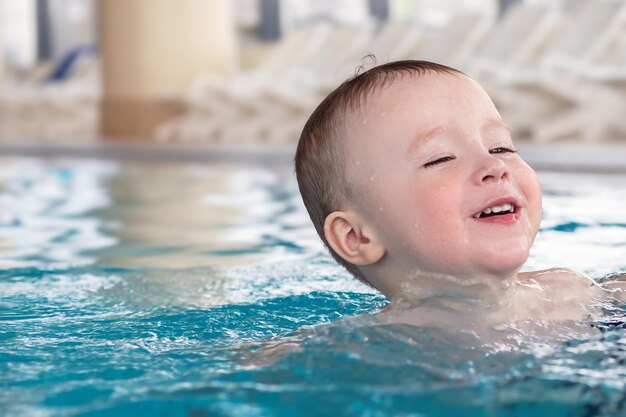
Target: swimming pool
{"points": [[131, 288]]}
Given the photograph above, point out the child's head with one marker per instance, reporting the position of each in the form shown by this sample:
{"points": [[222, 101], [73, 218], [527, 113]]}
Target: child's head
{"points": [[408, 167]]}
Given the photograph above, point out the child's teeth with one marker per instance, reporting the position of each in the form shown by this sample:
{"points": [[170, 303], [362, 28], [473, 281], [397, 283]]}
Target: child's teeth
{"points": [[497, 209]]}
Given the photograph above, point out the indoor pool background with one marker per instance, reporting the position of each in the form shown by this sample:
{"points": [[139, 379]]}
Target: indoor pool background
{"points": [[155, 289]]}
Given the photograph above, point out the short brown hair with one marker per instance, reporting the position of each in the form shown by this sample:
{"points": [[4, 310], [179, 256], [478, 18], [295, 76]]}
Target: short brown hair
{"points": [[320, 162]]}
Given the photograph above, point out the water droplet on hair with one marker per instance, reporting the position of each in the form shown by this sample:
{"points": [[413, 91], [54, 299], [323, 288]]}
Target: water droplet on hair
{"points": [[372, 178]]}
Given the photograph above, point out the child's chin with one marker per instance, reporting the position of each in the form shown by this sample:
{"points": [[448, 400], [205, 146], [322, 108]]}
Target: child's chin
{"points": [[505, 263], [505, 267]]}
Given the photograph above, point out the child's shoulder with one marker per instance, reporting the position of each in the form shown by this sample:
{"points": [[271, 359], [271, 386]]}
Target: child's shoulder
{"points": [[557, 273], [558, 278], [568, 293]]}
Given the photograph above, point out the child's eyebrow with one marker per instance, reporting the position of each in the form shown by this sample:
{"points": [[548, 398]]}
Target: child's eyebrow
{"points": [[496, 124], [421, 139]]}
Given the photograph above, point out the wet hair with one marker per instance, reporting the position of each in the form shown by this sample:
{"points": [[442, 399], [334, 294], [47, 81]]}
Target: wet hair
{"points": [[320, 158]]}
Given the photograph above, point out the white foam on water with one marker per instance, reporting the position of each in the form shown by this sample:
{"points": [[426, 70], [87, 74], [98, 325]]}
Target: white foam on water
{"points": [[285, 279], [58, 286]]}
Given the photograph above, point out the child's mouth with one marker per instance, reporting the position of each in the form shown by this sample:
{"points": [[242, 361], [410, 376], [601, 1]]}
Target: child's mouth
{"points": [[505, 213], [496, 211]]}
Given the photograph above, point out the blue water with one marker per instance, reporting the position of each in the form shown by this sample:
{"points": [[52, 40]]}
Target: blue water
{"points": [[190, 290]]}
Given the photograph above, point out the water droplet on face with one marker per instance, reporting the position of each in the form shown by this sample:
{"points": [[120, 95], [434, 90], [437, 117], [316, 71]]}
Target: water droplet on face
{"points": [[383, 113], [364, 121], [372, 178], [357, 162], [380, 209]]}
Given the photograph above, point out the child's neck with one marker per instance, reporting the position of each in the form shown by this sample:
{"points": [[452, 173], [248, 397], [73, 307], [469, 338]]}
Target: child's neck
{"points": [[477, 294], [552, 295]]}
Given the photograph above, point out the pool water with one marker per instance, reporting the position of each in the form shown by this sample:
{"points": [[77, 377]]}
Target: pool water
{"points": [[202, 290]]}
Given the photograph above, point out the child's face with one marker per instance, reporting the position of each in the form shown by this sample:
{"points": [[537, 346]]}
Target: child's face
{"points": [[428, 155]]}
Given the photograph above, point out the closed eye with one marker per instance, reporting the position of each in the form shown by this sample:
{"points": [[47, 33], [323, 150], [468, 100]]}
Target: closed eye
{"points": [[439, 161], [502, 150]]}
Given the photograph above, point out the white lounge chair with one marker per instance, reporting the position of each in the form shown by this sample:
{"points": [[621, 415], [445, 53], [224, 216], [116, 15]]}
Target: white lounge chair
{"points": [[456, 42], [515, 43], [269, 98], [225, 101], [583, 65], [506, 63]]}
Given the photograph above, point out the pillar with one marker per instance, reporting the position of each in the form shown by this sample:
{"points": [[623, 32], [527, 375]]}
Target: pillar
{"points": [[44, 31], [379, 9], [151, 51], [270, 29]]}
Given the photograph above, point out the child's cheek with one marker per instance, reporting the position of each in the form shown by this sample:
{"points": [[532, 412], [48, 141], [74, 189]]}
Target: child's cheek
{"points": [[532, 193]]}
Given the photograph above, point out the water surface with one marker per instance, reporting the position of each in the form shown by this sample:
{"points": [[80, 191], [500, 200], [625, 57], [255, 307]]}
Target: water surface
{"points": [[193, 290]]}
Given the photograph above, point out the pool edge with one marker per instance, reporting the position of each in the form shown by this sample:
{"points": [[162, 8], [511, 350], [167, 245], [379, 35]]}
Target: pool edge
{"points": [[593, 158]]}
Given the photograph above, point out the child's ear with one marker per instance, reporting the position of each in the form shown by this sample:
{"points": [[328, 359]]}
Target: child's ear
{"points": [[346, 233]]}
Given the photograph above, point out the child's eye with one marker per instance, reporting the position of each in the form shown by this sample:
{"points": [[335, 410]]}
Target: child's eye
{"points": [[502, 150], [438, 161]]}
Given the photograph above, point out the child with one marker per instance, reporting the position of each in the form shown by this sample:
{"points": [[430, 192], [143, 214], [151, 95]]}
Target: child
{"points": [[412, 181]]}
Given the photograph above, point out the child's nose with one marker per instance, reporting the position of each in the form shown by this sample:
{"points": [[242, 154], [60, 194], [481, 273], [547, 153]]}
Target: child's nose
{"points": [[492, 169]]}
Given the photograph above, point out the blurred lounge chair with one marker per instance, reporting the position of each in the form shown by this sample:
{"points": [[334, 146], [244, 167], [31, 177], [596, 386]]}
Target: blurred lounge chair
{"points": [[270, 96], [587, 66], [506, 63], [456, 42], [393, 40], [291, 56], [64, 109], [215, 102], [546, 87], [513, 46], [272, 104], [328, 68]]}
